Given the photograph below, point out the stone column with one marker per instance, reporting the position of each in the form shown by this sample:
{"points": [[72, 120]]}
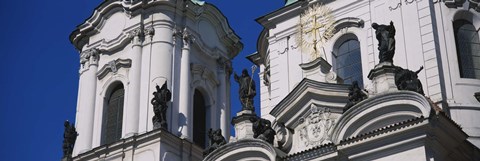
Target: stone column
{"points": [[185, 93], [86, 100], [133, 95], [222, 101]]}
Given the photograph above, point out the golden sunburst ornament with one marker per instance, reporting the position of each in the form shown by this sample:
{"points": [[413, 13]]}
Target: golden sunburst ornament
{"points": [[316, 27]]}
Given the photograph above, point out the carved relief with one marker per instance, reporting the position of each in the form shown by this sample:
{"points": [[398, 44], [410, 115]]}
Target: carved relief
{"points": [[150, 31], [317, 127], [113, 67], [90, 55]]}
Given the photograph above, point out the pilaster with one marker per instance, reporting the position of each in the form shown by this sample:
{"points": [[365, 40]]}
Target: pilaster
{"points": [[133, 98], [185, 111], [86, 100], [223, 108]]}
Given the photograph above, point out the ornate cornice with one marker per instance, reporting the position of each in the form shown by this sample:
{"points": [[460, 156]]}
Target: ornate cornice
{"points": [[113, 67], [81, 36]]}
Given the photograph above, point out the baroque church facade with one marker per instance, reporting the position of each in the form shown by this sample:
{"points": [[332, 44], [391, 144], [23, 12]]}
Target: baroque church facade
{"points": [[339, 80]]}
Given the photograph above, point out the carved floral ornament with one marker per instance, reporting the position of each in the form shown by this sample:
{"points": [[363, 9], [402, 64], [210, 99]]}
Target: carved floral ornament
{"points": [[317, 127], [141, 32], [90, 55]]}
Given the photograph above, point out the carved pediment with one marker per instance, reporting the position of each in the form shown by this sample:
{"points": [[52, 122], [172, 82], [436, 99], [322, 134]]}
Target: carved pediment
{"points": [[297, 104]]}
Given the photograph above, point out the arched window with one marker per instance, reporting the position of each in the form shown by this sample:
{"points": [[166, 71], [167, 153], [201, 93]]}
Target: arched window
{"points": [[199, 119], [348, 61], [468, 49], [112, 115]]}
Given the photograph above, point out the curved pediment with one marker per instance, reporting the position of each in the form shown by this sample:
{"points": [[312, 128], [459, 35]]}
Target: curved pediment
{"points": [[245, 149], [380, 111], [308, 92]]}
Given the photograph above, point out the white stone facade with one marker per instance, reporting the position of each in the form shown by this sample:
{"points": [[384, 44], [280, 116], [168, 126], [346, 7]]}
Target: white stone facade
{"points": [[424, 37], [141, 44], [304, 98]]}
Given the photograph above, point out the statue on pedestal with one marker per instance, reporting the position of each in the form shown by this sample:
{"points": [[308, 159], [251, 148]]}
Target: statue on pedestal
{"points": [[215, 141], [159, 102], [408, 80], [262, 129], [386, 41], [69, 137], [355, 95], [246, 92]]}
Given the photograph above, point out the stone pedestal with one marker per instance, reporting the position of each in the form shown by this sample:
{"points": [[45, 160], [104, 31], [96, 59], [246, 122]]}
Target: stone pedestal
{"points": [[243, 125], [383, 77]]}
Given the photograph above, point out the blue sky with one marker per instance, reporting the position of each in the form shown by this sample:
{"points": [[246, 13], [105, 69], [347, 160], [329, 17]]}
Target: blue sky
{"points": [[39, 68]]}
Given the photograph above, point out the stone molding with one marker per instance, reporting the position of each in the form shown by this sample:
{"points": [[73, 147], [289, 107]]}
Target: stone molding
{"points": [[379, 111], [136, 141], [348, 22], [80, 37], [296, 104], [113, 66], [255, 148]]}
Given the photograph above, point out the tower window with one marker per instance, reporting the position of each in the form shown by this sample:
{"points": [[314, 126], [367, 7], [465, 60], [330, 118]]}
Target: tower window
{"points": [[113, 114], [468, 49], [348, 61], [199, 119]]}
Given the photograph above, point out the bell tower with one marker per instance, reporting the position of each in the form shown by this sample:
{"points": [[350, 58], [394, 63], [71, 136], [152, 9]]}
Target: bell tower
{"points": [[127, 48]]}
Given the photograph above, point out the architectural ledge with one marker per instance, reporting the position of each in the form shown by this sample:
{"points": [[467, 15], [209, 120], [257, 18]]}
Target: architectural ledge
{"points": [[437, 130], [135, 141], [380, 111], [246, 149]]}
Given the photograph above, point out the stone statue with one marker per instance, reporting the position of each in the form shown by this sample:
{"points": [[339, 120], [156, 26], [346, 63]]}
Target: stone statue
{"points": [[246, 91], [69, 137], [386, 41], [355, 95], [408, 80], [215, 141], [262, 129], [159, 102]]}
